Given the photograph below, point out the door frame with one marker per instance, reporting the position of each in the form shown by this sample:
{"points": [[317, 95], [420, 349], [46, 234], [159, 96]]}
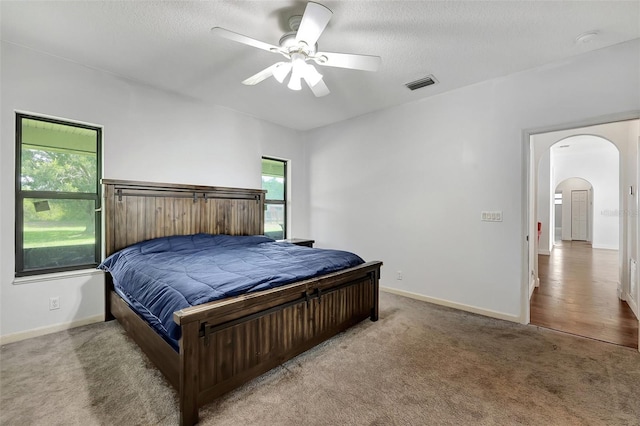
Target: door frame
{"points": [[529, 228]]}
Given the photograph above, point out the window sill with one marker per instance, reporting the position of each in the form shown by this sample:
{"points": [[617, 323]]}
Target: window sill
{"points": [[56, 276]]}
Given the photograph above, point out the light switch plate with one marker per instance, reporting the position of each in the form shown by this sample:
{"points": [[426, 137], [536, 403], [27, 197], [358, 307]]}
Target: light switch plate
{"points": [[491, 216]]}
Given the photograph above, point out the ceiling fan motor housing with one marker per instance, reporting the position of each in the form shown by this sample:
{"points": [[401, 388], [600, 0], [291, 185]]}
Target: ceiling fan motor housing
{"points": [[294, 22]]}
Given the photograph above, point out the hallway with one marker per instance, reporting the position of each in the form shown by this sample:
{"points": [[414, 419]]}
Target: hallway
{"points": [[577, 295]]}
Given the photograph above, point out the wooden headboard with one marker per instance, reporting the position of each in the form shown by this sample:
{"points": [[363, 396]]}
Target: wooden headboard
{"points": [[138, 211]]}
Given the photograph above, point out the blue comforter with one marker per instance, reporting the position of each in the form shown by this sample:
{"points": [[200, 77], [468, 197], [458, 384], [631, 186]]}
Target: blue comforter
{"points": [[163, 275]]}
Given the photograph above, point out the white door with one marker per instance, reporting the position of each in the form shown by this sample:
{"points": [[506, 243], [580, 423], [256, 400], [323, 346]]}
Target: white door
{"points": [[579, 208]]}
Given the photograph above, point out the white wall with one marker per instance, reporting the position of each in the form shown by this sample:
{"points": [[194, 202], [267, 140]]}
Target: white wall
{"points": [[406, 185], [149, 135]]}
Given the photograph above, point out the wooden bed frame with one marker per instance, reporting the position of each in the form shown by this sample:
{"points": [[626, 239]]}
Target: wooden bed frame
{"points": [[231, 341]]}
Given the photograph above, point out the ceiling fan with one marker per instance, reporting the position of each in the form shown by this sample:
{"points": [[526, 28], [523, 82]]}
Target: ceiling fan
{"points": [[300, 47]]}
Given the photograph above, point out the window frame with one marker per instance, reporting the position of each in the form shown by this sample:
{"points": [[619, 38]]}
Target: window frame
{"points": [[21, 195], [282, 202]]}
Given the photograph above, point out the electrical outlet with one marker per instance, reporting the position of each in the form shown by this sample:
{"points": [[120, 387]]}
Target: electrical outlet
{"points": [[399, 275], [54, 303]]}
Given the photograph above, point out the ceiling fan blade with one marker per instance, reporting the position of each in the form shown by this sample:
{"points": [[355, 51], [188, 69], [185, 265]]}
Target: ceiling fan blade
{"points": [[315, 19], [320, 89], [262, 75], [347, 60], [230, 35]]}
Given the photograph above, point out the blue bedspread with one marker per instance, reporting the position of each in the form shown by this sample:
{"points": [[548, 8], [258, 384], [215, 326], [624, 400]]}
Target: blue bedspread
{"points": [[163, 275]]}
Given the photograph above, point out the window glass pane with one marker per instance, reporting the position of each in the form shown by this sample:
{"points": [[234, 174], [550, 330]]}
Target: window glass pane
{"points": [[274, 221], [273, 175], [273, 167], [274, 187], [58, 233], [58, 171], [558, 198], [57, 157]]}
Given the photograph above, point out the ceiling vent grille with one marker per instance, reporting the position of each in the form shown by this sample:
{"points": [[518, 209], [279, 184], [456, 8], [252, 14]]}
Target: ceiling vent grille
{"points": [[423, 82]]}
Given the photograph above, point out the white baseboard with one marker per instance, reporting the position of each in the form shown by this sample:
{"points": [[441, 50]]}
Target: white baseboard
{"points": [[544, 252], [621, 295], [604, 247], [634, 308], [532, 286], [633, 277], [632, 304], [28, 334], [449, 304]]}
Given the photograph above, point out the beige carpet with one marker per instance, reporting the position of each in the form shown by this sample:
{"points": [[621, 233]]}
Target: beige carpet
{"points": [[420, 364]]}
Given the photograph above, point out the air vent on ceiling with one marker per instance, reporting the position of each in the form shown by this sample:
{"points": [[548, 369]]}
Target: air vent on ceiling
{"points": [[423, 82]]}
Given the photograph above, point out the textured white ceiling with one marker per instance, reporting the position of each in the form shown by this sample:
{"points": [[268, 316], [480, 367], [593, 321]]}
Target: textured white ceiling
{"points": [[168, 45]]}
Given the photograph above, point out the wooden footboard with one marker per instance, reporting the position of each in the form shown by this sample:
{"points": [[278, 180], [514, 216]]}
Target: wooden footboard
{"points": [[230, 342]]}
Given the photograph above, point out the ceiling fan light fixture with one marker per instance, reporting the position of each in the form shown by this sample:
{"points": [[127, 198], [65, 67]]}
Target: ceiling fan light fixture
{"points": [[281, 71], [311, 75], [297, 71], [294, 82]]}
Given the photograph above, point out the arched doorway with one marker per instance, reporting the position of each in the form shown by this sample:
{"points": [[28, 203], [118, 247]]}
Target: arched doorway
{"points": [[572, 216]]}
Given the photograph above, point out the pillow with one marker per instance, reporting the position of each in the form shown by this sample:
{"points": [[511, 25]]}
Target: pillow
{"points": [[240, 240], [177, 243]]}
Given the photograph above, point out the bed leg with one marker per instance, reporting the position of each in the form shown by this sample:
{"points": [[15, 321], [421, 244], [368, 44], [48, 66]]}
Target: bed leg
{"points": [[375, 275], [189, 374], [108, 287]]}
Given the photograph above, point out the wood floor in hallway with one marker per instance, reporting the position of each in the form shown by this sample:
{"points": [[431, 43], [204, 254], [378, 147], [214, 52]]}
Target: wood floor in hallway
{"points": [[578, 295]]}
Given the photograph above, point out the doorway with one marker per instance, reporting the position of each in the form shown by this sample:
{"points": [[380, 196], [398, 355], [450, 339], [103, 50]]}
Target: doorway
{"points": [[577, 260]]}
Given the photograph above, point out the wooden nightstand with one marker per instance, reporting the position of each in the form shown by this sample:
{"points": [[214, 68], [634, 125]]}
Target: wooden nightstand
{"points": [[298, 241]]}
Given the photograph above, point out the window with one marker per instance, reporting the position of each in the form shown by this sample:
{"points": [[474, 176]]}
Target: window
{"points": [[274, 180], [57, 195], [557, 199]]}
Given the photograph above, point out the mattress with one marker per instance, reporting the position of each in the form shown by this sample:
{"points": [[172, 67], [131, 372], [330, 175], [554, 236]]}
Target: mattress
{"points": [[160, 276]]}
